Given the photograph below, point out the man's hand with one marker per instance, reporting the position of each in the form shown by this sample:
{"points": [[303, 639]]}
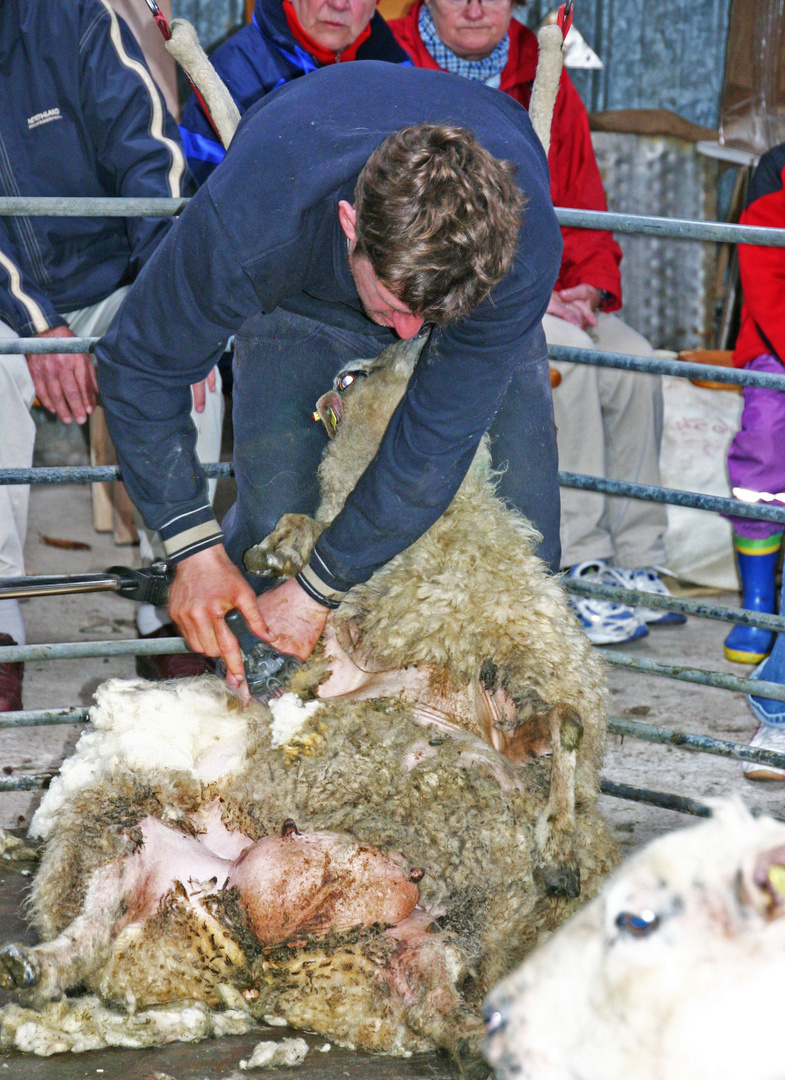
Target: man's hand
{"points": [[208, 584], [295, 622], [65, 383], [200, 391], [576, 305]]}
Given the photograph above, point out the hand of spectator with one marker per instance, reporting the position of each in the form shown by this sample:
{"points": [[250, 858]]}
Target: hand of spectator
{"points": [[200, 391], [65, 383], [576, 305]]}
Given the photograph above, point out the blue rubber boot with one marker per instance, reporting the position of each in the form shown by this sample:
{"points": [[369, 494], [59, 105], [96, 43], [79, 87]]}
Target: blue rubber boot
{"points": [[757, 562]]}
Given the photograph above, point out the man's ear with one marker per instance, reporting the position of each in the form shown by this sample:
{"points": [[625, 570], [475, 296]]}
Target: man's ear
{"points": [[347, 216]]}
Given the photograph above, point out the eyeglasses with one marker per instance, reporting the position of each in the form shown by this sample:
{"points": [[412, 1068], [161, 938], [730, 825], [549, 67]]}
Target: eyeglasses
{"points": [[465, 3]]}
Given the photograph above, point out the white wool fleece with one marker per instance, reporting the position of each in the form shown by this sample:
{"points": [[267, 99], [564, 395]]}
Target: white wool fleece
{"points": [[182, 726]]}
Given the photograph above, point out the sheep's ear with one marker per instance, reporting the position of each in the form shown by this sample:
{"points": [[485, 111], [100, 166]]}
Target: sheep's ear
{"points": [[329, 409], [762, 883]]}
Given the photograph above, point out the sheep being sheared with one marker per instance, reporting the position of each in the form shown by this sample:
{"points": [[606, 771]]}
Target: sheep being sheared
{"points": [[674, 972], [352, 868], [466, 622]]}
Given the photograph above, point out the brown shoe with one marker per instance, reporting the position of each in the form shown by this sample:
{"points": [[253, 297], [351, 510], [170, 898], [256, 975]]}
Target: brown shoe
{"points": [[171, 665], [11, 676]]}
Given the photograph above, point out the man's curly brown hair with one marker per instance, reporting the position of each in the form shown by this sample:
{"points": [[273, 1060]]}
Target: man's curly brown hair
{"points": [[439, 219]]}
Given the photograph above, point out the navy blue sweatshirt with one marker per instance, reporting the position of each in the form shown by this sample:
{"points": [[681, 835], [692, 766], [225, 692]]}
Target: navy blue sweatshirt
{"points": [[263, 232], [257, 59], [79, 115]]}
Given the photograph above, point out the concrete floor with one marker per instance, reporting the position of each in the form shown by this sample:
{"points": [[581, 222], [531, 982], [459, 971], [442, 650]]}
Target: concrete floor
{"points": [[64, 512]]}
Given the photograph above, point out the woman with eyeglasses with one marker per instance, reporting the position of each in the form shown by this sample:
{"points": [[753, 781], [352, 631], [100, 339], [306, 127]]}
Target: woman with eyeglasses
{"points": [[609, 421]]}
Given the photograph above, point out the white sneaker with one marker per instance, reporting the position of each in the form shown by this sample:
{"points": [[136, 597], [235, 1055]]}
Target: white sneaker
{"points": [[645, 579], [604, 622], [767, 737]]}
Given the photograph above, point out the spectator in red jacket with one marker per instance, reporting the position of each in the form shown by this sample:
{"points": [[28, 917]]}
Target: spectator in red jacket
{"points": [[756, 458], [609, 421]]}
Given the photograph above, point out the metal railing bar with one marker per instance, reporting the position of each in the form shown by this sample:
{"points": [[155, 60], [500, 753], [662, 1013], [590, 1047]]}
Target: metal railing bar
{"points": [[82, 650], [89, 206], [671, 228], [699, 744], [31, 782], [672, 496], [11, 346], [661, 365], [654, 365], [718, 680], [740, 616], [89, 474], [680, 803], [43, 717], [69, 650], [646, 225]]}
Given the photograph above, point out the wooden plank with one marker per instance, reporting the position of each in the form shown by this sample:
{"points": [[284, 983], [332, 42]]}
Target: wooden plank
{"points": [[101, 453], [124, 524]]}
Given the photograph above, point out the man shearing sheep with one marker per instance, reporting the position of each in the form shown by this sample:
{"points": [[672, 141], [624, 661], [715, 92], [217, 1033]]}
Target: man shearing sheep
{"points": [[353, 208]]}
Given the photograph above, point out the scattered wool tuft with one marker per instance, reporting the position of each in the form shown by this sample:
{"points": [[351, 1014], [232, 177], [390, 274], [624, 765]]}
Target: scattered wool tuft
{"points": [[273, 1055], [85, 1023], [290, 714]]}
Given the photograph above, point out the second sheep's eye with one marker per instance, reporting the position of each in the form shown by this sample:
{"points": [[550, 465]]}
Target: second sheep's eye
{"points": [[639, 924]]}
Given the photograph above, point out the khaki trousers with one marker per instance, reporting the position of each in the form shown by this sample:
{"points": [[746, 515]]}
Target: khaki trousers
{"points": [[17, 431], [609, 424]]}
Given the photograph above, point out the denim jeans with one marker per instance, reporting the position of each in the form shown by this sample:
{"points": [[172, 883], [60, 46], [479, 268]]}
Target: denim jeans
{"points": [[284, 361], [767, 710]]}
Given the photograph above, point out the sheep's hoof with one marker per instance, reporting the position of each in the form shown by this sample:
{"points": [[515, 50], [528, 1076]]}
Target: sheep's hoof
{"points": [[287, 548], [260, 561], [19, 968], [559, 879]]}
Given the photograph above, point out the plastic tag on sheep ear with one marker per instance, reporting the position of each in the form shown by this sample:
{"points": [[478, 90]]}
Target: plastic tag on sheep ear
{"points": [[776, 879]]}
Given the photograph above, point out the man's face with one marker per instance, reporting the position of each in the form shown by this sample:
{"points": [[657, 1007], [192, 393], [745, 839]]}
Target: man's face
{"points": [[471, 29], [379, 304], [334, 24]]}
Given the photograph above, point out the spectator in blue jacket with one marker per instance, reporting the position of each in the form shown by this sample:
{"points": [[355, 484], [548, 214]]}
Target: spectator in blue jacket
{"points": [[80, 115], [285, 39]]}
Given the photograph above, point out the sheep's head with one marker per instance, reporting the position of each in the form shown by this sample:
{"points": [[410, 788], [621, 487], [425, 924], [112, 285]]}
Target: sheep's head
{"points": [[389, 375], [355, 414], [661, 974]]}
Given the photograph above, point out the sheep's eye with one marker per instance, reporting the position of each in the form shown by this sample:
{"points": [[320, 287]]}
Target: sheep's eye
{"points": [[638, 924], [345, 381]]}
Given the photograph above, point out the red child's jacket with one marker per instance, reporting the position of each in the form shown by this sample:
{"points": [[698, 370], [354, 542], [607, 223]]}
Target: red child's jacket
{"points": [[763, 269]]}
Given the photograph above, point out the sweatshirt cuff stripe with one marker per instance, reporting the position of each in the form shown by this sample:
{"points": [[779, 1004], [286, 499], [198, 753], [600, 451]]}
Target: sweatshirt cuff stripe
{"points": [[192, 540], [318, 589]]}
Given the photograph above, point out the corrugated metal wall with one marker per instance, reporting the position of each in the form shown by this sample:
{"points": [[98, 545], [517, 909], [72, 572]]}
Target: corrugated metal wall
{"points": [[213, 19], [666, 55], [667, 285]]}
